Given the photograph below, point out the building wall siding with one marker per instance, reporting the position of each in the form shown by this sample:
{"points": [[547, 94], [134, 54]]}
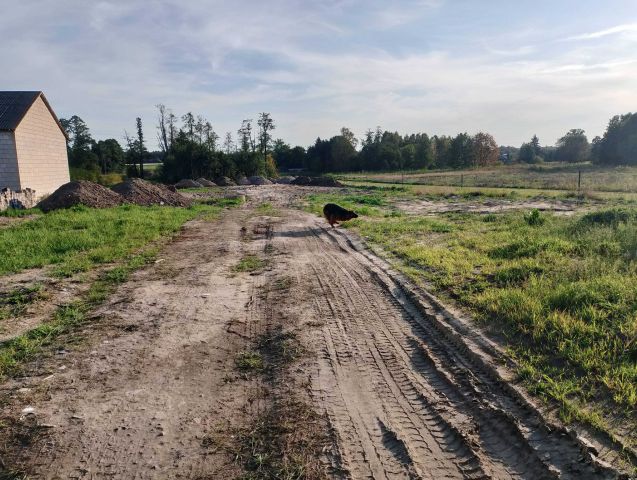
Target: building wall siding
{"points": [[9, 174], [41, 151]]}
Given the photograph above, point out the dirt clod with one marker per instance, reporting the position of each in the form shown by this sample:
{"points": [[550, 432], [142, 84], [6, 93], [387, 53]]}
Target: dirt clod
{"points": [[80, 192]]}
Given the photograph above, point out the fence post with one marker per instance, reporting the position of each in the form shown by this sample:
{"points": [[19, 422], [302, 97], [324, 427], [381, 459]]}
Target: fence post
{"points": [[461, 180], [579, 180]]}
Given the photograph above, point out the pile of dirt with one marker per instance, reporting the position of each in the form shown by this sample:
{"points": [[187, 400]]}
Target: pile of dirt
{"points": [[258, 180], [285, 180], [187, 183], [243, 181], [316, 182], [205, 182], [141, 192], [224, 182], [80, 193]]}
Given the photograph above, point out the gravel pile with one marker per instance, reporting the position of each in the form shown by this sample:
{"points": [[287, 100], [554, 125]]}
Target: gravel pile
{"points": [[80, 193], [141, 192]]}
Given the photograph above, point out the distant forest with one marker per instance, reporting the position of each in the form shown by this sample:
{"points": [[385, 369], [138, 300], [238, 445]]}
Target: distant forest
{"points": [[190, 148]]}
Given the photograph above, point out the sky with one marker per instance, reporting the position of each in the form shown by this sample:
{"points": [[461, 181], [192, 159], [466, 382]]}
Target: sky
{"points": [[510, 68]]}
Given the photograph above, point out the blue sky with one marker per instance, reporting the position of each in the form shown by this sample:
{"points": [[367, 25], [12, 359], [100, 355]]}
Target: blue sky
{"points": [[511, 68]]}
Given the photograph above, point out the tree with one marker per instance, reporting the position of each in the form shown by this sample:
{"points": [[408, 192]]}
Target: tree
{"points": [[80, 144], [485, 150], [110, 155], [266, 125], [349, 136], [163, 135], [245, 136], [189, 125], [141, 148], [619, 143], [228, 144], [573, 147]]}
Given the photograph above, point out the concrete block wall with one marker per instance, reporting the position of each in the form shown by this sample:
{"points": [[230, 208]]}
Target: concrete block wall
{"points": [[9, 175], [41, 151]]}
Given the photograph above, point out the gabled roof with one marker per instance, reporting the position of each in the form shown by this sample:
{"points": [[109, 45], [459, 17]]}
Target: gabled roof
{"points": [[15, 105]]}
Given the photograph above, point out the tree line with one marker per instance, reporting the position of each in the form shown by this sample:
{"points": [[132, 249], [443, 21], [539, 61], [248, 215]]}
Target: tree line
{"points": [[189, 147]]}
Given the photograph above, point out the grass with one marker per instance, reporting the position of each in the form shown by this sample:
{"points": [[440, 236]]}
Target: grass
{"points": [[250, 263], [15, 302], [77, 239], [549, 176], [560, 291], [23, 348], [266, 208], [249, 361]]}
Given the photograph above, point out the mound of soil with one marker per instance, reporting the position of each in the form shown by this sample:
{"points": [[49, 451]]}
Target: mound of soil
{"points": [[224, 181], [141, 192], [205, 182], [243, 181], [80, 193], [316, 182], [301, 180], [187, 183], [284, 180], [258, 180]]}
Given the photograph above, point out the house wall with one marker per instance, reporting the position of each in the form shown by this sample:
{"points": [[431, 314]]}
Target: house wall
{"points": [[41, 150], [9, 176]]}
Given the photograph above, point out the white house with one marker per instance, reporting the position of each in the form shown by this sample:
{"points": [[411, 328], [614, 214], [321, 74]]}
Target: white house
{"points": [[32, 144]]}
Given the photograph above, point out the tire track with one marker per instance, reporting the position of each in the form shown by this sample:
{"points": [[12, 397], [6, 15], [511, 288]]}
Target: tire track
{"points": [[404, 398]]}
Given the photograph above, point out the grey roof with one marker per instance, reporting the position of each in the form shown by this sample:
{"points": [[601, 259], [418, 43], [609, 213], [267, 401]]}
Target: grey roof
{"points": [[15, 105]]}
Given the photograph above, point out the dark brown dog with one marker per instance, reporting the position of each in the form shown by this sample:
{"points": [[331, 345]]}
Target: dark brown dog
{"points": [[334, 214]]}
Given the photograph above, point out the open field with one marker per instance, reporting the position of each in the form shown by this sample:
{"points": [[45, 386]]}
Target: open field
{"points": [[549, 176], [257, 342]]}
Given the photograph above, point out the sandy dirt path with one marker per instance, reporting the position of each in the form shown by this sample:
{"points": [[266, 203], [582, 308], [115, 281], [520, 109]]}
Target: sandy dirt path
{"points": [[404, 393]]}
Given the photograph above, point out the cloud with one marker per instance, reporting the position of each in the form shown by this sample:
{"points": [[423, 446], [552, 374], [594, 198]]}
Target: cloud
{"points": [[618, 29], [408, 66]]}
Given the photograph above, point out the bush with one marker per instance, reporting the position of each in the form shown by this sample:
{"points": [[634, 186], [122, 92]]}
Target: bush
{"points": [[534, 218]]}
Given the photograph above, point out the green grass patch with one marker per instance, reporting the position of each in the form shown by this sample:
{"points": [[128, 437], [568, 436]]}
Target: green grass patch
{"points": [[249, 361], [250, 263], [266, 208], [76, 239]]}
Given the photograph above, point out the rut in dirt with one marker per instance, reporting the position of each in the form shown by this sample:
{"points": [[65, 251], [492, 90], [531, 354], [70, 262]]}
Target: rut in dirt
{"points": [[404, 400]]}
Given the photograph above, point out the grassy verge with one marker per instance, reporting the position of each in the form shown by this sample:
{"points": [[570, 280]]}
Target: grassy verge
{"points": [[560, 291], [77, 239], [26, 347], [126, 235]]}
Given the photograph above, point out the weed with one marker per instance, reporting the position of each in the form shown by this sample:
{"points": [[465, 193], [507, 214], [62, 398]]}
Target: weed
{"points": [[249, 361], [15, 302], [250, 263], [534, 218]]}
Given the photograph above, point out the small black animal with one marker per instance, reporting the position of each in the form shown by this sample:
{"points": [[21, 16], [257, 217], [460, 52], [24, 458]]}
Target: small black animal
{"points": [[335, 213]]}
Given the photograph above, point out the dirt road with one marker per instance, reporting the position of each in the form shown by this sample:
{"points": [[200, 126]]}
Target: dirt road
{"points": [[407, 391]]}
